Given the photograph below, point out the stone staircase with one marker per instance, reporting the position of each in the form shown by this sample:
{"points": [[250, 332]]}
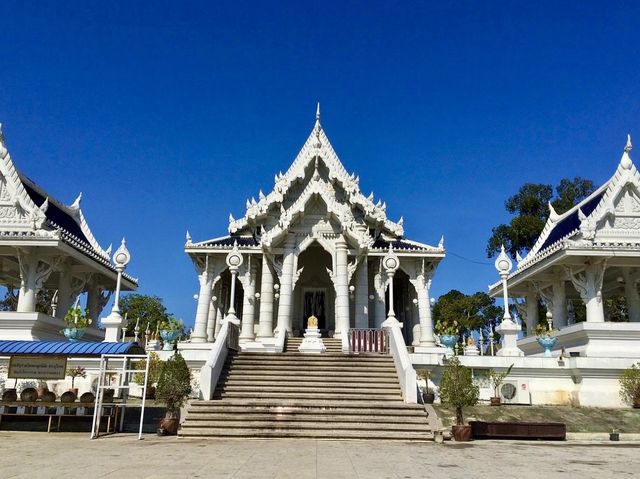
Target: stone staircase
{"points": [[326, 396]]}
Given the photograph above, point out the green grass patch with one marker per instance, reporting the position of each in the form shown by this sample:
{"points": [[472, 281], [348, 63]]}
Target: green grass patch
{"points": [[577, 419]]}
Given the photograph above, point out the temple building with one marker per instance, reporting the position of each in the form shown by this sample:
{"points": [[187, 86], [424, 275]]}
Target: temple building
{"points": [[47, 245], [584, 257], [313, 247]]}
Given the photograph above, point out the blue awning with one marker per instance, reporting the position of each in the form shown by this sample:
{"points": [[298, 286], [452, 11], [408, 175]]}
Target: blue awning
{"points": [[67, 348]]}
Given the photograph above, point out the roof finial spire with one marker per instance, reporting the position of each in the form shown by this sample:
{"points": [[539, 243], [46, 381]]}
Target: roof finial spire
{"points": [[318, 112], [625, 161]]}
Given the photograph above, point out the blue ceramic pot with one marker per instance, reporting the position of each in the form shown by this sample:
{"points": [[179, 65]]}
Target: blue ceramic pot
{"points": [[547, 342], [73, 334], [449, 340], [168, 337]]}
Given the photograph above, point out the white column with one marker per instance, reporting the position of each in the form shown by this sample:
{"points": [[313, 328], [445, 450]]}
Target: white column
{"points": [[93, 301], [64, 291], [249, 300], [33, 274], [379, 282], [559, 304], [204, 301], [285, 304], [424, 312], [362, 295], [631, 295], [219, 310], [589, 284], [265, 323], [211, 319], [531, 303], [342, 288]]}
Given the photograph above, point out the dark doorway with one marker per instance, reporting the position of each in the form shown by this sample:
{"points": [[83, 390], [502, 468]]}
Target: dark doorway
{"points": [[315, 305]]}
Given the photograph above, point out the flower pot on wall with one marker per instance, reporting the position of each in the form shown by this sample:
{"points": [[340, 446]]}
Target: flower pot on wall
{"points": [[495, 400], [29, 395], [168, 425], [74, 391], [428, 397], [168, 337], [73, 334], [461, 433], [547, 342]]}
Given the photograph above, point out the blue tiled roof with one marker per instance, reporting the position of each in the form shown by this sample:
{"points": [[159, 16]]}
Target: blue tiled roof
{"points": [[67, 348], [571, 222]]}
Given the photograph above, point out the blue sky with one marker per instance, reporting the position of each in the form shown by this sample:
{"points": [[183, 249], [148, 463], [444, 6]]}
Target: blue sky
{"points": [[168, 115]]}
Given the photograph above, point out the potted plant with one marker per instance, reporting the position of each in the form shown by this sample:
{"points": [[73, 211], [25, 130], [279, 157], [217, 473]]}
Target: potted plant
{"points": [[428, 396], [170, 330], [77, 322], [630, 386], [496, 379], [155, 367], [42, 388], [457, 389], [174, 386], [545, 335], [448, 333], [77, 372]]}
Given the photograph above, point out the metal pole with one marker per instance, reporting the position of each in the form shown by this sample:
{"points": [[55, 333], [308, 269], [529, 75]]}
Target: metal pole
{"points": [[144, 396]]}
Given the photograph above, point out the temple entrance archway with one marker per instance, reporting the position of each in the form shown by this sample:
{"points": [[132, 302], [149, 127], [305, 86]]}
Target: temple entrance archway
{"points": [[314, 293]]}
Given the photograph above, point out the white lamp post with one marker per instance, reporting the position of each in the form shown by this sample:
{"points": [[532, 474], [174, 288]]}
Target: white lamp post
{"points": [[234, 261], [113, 322], [391, 263], [508, 329]]}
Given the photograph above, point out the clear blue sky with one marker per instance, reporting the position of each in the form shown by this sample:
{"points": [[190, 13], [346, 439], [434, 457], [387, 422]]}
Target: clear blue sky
{"points": [[168, 116]]}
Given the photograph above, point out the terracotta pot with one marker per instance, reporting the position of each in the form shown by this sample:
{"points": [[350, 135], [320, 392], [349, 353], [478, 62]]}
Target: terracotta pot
{"points": [[461, 433], [151, 392], [68, 397], [87, 398], [49, 396], [41, 391], [10, 395], [636, 403], [428, 397], [74, 391], [29, 395], [168, 425], [495, 400]]}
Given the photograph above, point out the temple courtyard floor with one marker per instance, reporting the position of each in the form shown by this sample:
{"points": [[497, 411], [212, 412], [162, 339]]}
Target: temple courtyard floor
{"points": [[73, 455]]}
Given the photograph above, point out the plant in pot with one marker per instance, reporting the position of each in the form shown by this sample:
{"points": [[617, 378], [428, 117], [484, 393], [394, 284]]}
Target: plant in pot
{"points": [[77, 372], [428, 396], [458, 390], [76, 322], [448, 333], [545, 335], [174, 386], [496, 379], [42, 388], [630, 386], [155, 367], [170, 330]]}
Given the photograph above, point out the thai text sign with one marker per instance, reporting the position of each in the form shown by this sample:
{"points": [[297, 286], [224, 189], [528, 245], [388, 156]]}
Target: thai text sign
{"points": [[37, 367]]}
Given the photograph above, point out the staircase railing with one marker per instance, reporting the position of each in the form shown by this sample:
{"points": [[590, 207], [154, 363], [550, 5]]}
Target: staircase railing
{"points": [[210, 373], [369, 340], [402, 361]]}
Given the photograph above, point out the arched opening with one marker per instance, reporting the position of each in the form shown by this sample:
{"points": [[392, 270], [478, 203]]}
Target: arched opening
{"points": [[314, 293]]}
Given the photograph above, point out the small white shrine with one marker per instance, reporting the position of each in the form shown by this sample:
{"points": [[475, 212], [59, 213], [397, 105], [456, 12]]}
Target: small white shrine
{"points": [[45, 244], [313, 247]]}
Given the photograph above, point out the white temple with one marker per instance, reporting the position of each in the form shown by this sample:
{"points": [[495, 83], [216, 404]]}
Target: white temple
{"points": [[313, 247], [45, 244]]}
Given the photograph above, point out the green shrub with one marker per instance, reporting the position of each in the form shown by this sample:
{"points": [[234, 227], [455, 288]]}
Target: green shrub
{"points": [[174, 383], [155, 367], [457, 388], [630, 385]]}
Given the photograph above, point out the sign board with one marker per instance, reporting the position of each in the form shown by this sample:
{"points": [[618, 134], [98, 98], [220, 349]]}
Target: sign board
{"points": [[37, 367]]}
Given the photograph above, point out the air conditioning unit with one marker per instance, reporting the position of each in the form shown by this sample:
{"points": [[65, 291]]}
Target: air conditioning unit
{"points": [[515, 392]]}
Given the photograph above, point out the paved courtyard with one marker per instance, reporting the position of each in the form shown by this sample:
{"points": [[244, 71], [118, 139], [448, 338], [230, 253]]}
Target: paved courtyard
{"points": [[72, 455]]}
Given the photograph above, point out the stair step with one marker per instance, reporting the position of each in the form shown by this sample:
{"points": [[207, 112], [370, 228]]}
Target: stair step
{"points": [[312, 375], [306, 403], [316, 382], [223, 407], [311, 425], [254, 389], [307, 433], [229, 418], [307, 395], [297, 356]]}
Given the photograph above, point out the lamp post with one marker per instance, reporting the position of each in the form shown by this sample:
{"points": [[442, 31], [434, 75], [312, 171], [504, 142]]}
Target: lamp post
{"points": [[234, 261], [508, 329], [391, 263], [113, 322]]}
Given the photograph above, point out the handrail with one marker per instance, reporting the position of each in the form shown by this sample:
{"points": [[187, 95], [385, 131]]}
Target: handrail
{"points": [[281, 339], [344, 339], [210, 372], [402, 362], [369, 340]]}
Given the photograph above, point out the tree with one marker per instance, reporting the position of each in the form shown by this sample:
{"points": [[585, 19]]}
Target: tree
{"points": [[174, 384], [457, 388], [467, 312], [530, 210], [149, 309]]}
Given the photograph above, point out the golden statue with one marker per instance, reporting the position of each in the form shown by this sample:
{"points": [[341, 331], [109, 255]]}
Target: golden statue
{"points": [[470, 341], [312, 322]]}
